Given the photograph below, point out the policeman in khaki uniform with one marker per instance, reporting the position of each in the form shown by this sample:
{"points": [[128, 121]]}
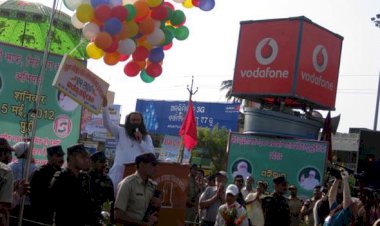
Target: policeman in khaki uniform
{"points": [[136, 192]]}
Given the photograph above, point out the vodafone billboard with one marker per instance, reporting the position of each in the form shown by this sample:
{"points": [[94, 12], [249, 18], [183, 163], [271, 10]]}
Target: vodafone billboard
{"points": [[291, 58]]}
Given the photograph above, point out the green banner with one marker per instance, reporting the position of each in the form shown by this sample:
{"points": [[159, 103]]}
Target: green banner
{"points": [[58, 117], [302, 162]]}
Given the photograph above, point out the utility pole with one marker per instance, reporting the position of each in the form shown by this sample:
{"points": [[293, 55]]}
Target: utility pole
{"points": [[377, 105], [191, 93]]}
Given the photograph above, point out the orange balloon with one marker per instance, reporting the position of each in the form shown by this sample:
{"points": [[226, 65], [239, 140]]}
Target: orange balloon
{"points": [[111, 58], [123, 34], [98, 22], [142, 64], [146, 26], [103, 40], [142, 10]]}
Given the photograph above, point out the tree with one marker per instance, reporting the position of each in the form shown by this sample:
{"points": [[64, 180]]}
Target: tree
{"points": [[213, 145], [227, 85]]}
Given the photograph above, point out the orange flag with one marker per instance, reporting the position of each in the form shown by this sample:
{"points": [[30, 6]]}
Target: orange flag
{"points": [[189, 128]]}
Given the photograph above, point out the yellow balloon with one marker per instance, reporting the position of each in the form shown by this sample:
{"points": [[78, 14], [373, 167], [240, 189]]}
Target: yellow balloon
{"points": [[85, 13], [154, 3], [132, 29], [93, 51], [188, 4]]}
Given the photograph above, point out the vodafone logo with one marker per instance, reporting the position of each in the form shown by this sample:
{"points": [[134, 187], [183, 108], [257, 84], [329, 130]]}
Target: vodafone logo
{"points": [[266, 51], [320, 58]]}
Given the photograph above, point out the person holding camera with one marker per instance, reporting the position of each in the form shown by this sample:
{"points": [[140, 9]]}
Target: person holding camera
{"points": [[346, 212], [136, 194]]}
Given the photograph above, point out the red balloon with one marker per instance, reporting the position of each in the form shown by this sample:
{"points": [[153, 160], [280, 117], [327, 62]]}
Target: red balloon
{"points": [[102, 12], [120, 12], [132, 69], [195, 3], [168, 46], [113, 47], [159, 12], [154, 70], [123, 57], [169, 5], [140, 54]]}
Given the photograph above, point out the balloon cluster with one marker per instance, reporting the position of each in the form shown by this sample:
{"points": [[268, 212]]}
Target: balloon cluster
{"points": [[133, 31]]}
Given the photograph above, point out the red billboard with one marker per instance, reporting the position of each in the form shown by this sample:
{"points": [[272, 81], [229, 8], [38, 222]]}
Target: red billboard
{"points": [[290, 58]]}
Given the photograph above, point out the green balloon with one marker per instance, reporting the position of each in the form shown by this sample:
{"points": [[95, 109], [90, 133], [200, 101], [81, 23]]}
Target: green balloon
{"points": [[168, 36], [170, 13], [145, 77], [181, 33], [177, 18], [131, 12]]}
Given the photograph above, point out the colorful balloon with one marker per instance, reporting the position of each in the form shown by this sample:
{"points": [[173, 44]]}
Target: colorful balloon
{"points": [[96, 3], [156, 55], [119, 12], [90, 30], [188, 4], [123, 57], [84, 13], [142, 10], [111, 58], [168, 46], [177, 18], [156, 37], [159, 12], [131, 12], [103, 12], [75, 22], [140, 54], [146, 26], [126, 46], [153, 3], [131, 69], [93, 51], [103, 40], [112, 26], [113, 47], [206, 5], [145, 77], [72, 4], [181, 33], [154, 70], [132, 29]]}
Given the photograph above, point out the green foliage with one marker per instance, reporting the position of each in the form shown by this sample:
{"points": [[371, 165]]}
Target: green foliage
{"points": [[213, 144]]}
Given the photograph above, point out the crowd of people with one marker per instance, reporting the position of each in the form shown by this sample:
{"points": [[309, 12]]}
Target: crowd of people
{"points": [[240, 203]]}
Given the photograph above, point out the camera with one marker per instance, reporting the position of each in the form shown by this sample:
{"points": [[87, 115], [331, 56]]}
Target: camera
{"points": [[334, 172]]}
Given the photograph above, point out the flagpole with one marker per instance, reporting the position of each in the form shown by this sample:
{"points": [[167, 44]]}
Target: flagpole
{"points": [[191, 93]]}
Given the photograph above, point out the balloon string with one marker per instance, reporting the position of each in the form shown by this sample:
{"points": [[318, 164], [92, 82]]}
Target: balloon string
{"points": [[76, 47]]}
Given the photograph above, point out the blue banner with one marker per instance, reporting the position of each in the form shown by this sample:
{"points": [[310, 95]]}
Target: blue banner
{"points": [[165, 117]]}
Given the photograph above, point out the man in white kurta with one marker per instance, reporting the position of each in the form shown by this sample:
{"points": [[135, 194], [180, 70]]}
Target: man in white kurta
{"points": [[129, 144]]}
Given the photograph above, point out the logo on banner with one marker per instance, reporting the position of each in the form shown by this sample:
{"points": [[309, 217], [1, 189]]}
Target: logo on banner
{"points": [[320, 58], [62, 126], [266, 51]]}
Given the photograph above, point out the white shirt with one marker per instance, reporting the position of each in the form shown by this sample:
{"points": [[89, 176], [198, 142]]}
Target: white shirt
{"points": [[254, 210], [127, 149]]}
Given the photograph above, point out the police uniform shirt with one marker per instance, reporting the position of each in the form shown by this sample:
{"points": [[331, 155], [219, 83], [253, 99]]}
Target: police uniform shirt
{"points": [[276, 210], [70, 195], [101, 191], [39, 197], [134, 195]]}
